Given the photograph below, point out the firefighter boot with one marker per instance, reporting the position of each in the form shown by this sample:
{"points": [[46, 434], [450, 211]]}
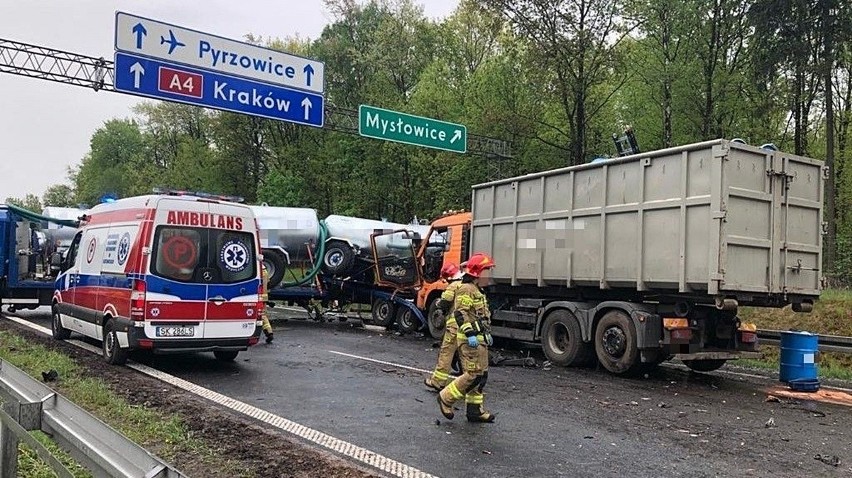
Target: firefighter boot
{"points": [[476, 413], [432, 385], [269, 337], [446, 410]]}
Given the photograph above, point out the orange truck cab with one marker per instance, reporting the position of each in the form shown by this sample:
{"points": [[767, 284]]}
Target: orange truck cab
{"points": [[446, 242]]}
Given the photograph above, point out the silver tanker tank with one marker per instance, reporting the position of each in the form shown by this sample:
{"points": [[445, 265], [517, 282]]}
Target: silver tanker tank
{"points": [[58, 235], [285, 235]]}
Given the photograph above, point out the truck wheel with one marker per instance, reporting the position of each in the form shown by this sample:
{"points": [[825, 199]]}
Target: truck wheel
{"points": [[113, 353], [562, 340], [406, 320], [383, 312], [59, 332], [707, 365], [225, 355], [435, 319], [276, 264], [338, 258], [615, 343]]}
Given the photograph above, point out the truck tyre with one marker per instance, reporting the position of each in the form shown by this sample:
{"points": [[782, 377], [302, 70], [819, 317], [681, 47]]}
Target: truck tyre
{"points": [[707, 365], [435, 319], [338, 258], [225, 355], [406, 320], [59, 332], [113, 353], [615, 343], [562, 340], [383, 312], [276, 264]]}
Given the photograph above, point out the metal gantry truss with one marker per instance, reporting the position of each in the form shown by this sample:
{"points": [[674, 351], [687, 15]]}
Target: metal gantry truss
{"points": [[99, 74]]}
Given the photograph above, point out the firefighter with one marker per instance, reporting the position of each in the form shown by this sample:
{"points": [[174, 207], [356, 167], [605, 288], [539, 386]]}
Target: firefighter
{"points": [[264, 297], [474, 337], [441, 375]]}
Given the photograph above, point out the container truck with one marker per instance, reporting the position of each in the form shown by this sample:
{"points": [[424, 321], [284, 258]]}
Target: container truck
{"points": [[643, 258]]}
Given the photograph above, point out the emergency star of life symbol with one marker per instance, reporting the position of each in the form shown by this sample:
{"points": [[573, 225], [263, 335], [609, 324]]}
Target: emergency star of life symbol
{"points": [[234, 256], [123, 248]]}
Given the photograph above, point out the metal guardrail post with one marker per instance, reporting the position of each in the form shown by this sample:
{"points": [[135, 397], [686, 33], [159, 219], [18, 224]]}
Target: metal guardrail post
{"points": [[8, 450], [94, 444]]}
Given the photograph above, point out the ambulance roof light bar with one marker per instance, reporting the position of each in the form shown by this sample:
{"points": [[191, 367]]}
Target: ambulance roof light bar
{"points": [[200, 194]]}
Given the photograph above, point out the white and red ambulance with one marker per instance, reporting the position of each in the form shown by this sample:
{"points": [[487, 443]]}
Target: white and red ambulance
{"points": [[162, 273]]}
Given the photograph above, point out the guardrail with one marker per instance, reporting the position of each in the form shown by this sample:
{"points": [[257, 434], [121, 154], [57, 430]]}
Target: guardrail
{"points": [[827, 343], [30, 405]]}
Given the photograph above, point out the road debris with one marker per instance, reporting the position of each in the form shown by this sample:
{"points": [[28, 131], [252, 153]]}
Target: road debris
{"points": [[50, 375], [832, 460], [663, 405], [772, 398], [770, 423], [486, 452]]}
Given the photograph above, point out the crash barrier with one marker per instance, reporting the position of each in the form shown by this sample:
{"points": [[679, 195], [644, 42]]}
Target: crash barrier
{"points": [[799, 351], [826, 343], [30, 405]]}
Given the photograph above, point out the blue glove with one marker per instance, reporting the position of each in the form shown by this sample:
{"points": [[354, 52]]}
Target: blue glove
{"points": [[472, 342]]}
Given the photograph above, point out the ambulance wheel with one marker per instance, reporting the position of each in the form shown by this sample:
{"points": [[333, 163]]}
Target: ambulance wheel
{"points": [[338, 258], [406, 320], [275, 264], [615, 343], [113, 353], [59, 332], [383, 312], [435, 319], [225, 355]]}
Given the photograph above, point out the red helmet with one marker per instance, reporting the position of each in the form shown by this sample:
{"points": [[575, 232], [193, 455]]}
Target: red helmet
{"points": [[477, 263], [451, 271]]}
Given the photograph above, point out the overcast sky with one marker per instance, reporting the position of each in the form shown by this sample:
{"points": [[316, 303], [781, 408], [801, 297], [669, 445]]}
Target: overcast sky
{"points": [[45, 127]]}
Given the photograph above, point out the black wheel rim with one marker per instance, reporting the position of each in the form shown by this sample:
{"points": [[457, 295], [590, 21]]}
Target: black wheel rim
{"points": [[614, 342], [437, 320], [384, 310], [559, 338], [270, 267], [407, 319]]}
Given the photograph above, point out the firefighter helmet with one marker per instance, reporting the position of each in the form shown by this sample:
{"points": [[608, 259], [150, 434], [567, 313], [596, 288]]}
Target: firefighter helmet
{"points": [[451, 271], [477, 263]]}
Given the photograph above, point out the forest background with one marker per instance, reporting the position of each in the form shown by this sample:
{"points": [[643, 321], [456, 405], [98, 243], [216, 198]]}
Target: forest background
{"points": [[555, 78]]}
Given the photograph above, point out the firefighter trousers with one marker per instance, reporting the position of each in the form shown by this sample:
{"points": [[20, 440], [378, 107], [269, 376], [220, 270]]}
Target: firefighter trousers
{"points": [[469, 385], [441, 375]]}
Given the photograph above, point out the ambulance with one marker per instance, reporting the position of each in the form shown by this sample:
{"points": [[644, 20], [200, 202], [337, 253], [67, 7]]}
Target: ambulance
{"points": [[162, 273]]}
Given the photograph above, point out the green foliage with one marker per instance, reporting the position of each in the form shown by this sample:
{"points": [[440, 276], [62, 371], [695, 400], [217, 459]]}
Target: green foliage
{"points": [[30, 202], [556, 78], [58, 195]]}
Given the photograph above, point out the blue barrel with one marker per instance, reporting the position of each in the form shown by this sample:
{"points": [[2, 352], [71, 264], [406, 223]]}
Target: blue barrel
{"points": [[798, 356]]}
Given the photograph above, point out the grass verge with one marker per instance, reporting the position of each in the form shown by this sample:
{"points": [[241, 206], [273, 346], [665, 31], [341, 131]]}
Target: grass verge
{"points": [[831, 365], [166, 435]]}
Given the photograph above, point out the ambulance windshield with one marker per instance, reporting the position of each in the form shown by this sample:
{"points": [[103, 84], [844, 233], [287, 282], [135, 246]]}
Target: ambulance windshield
{"points": [[201, 255]]}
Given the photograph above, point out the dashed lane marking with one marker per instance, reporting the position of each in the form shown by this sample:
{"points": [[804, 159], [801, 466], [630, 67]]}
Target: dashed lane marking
{"points": [[324, 440]]}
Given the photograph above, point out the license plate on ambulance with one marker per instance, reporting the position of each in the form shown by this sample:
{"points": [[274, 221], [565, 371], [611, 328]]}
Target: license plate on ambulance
{"points": [[175, 331]]}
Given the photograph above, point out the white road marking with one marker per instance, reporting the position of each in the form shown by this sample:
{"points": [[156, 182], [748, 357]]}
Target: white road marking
{"points": [[344, 448], [392, 364]]}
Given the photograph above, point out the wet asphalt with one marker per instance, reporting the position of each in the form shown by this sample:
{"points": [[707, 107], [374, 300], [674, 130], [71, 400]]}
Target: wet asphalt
{"points": [[551, 421]]}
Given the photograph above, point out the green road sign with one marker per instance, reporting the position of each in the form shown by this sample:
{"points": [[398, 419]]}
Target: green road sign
{"points": [[409, 129]]}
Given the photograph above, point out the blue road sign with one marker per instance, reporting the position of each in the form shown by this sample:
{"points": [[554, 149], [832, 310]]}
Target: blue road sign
{"points": [[141, 76]]}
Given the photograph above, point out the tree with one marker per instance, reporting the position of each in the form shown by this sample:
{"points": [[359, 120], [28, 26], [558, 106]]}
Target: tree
{"points": [[59, 195], [30, 202], [115, 164], [576, 42]]}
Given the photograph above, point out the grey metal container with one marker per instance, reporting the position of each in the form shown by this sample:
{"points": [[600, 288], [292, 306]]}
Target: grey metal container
{"points": [[287, 228], [716, 219]]}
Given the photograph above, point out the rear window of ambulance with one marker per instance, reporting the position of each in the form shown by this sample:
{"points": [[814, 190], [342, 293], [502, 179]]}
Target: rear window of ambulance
{"points": [[204, 256]]}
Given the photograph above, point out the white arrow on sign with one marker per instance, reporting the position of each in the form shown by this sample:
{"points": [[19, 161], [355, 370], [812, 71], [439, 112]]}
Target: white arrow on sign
{"points": [[137, 71], [306, 104], [456, 135]]}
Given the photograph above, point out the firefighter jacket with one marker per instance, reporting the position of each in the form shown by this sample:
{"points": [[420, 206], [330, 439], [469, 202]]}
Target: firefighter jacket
{"points": [[448, 302], [471, 311]]}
